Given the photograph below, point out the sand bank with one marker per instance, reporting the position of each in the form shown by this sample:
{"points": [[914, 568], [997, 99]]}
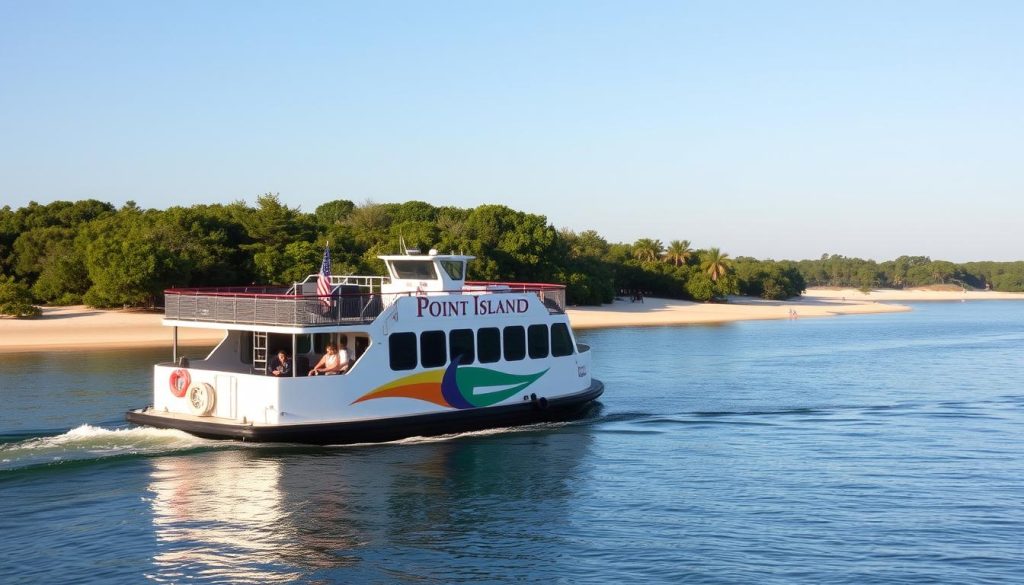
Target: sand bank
{"points": [[816, 302], [653, 312], [909, 295], [84, 328], [80, 327]]}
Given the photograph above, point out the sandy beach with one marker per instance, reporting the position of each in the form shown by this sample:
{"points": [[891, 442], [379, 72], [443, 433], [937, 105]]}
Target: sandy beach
{"points": [[80, 327]]}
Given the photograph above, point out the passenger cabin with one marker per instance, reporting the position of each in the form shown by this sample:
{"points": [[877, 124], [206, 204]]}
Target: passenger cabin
{"points": [[259, 321]]}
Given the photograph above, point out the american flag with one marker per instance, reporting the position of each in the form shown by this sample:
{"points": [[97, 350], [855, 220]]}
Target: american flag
{"points": [[323, 280]]}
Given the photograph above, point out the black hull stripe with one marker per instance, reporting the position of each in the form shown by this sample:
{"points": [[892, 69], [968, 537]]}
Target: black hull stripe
{"points": [[384, 429]]}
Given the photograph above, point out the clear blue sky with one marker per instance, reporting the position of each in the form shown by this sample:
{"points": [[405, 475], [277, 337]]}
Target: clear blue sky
{"points": [[769, 129]]}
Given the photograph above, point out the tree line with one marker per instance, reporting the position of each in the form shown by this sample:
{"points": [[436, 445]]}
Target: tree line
{"points": [[912, 271], [91, 252]]}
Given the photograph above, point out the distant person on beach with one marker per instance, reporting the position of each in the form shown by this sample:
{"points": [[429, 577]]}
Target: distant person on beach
{"points": [[282, 365]]}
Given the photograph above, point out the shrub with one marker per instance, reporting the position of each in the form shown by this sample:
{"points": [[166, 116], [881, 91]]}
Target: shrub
{"points": [[16, 299]]}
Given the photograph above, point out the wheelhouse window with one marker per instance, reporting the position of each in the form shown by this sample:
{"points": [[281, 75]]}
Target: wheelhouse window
{"points": [[456, 269], [537, 337], [561, 340], [432, 349], [414, 269], [402, 350], [460, 343], [515, 343], [488, 345]]}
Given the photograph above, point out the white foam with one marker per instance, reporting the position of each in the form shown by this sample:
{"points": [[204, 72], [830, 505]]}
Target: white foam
{"points": [[89, 442], [418, 440]]}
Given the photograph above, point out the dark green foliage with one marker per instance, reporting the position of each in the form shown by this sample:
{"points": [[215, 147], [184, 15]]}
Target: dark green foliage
{"points": [[64, 278], [911, 271], [1002, 276], [69, 252], [700, 286], [333, 212], [589, 279], [16, 299], [128, 260], [34, 247], [509, 244], [768, 279]]}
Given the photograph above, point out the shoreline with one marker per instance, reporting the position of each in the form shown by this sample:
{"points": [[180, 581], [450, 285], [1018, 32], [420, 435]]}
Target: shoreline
{"points": [[82, 328]]}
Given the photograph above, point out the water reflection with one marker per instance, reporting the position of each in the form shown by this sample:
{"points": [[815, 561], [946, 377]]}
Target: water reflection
{"points": [[278, 514]]}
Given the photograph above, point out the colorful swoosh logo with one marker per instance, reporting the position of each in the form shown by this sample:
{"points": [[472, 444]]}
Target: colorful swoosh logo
{"points": [[455, 387]]}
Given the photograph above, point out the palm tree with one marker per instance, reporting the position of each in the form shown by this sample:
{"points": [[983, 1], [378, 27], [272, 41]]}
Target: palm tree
{"points": [[679, 251], [647, 250], [715, 263]]}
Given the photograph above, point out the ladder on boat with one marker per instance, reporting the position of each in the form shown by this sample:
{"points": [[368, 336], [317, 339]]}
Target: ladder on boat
{"points": [[259, 351]]}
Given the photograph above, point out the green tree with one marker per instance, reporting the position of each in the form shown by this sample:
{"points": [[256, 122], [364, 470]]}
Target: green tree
{"points": [[510, 244], [127, 265], [715, 263], [333, 212], [700, 287], [678, 252], [34, 247], [16, 299], [64, 279], [647, 250]]}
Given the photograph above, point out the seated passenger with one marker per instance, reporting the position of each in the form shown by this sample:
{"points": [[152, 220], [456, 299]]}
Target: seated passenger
{"points": [[282, 366], [345, 355], [331, 363]]}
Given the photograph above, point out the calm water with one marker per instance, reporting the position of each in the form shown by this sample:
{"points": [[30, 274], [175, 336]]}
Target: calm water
{"points": [[881, 448]]}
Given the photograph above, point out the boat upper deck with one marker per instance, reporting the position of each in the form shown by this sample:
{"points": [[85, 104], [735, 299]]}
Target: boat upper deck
{"points": [[348, 304], [352, 300]]}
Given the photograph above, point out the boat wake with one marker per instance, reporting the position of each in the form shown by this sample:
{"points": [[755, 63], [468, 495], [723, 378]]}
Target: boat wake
{"points": [[87, 442]]}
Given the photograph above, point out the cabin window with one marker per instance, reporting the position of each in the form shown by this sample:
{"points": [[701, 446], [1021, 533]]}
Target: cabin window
{"points": [[432, 349], [302, 344], [320, 341], [537, 336], [361, 343], [414, 269], [460, 343], [488, 345], [245, 347], [561, 341], [402, 347], [455, 268], [515, 343]]}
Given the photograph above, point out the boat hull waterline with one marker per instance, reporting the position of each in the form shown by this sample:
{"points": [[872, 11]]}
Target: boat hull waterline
{"points": [[562, 408]]}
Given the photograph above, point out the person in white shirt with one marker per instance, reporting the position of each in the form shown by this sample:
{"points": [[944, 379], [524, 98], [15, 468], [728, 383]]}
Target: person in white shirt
{"points": [[345, 355], [332, 363]]}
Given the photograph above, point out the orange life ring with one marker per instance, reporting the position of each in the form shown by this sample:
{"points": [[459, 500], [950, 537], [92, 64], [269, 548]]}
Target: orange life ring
{"points": [[180, 381]]}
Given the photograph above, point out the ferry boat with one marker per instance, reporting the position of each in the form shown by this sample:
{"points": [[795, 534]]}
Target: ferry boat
{"points": [[431, 353]]}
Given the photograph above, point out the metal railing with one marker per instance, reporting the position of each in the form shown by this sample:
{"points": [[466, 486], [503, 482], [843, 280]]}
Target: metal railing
{"points": [[269, 306]]}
